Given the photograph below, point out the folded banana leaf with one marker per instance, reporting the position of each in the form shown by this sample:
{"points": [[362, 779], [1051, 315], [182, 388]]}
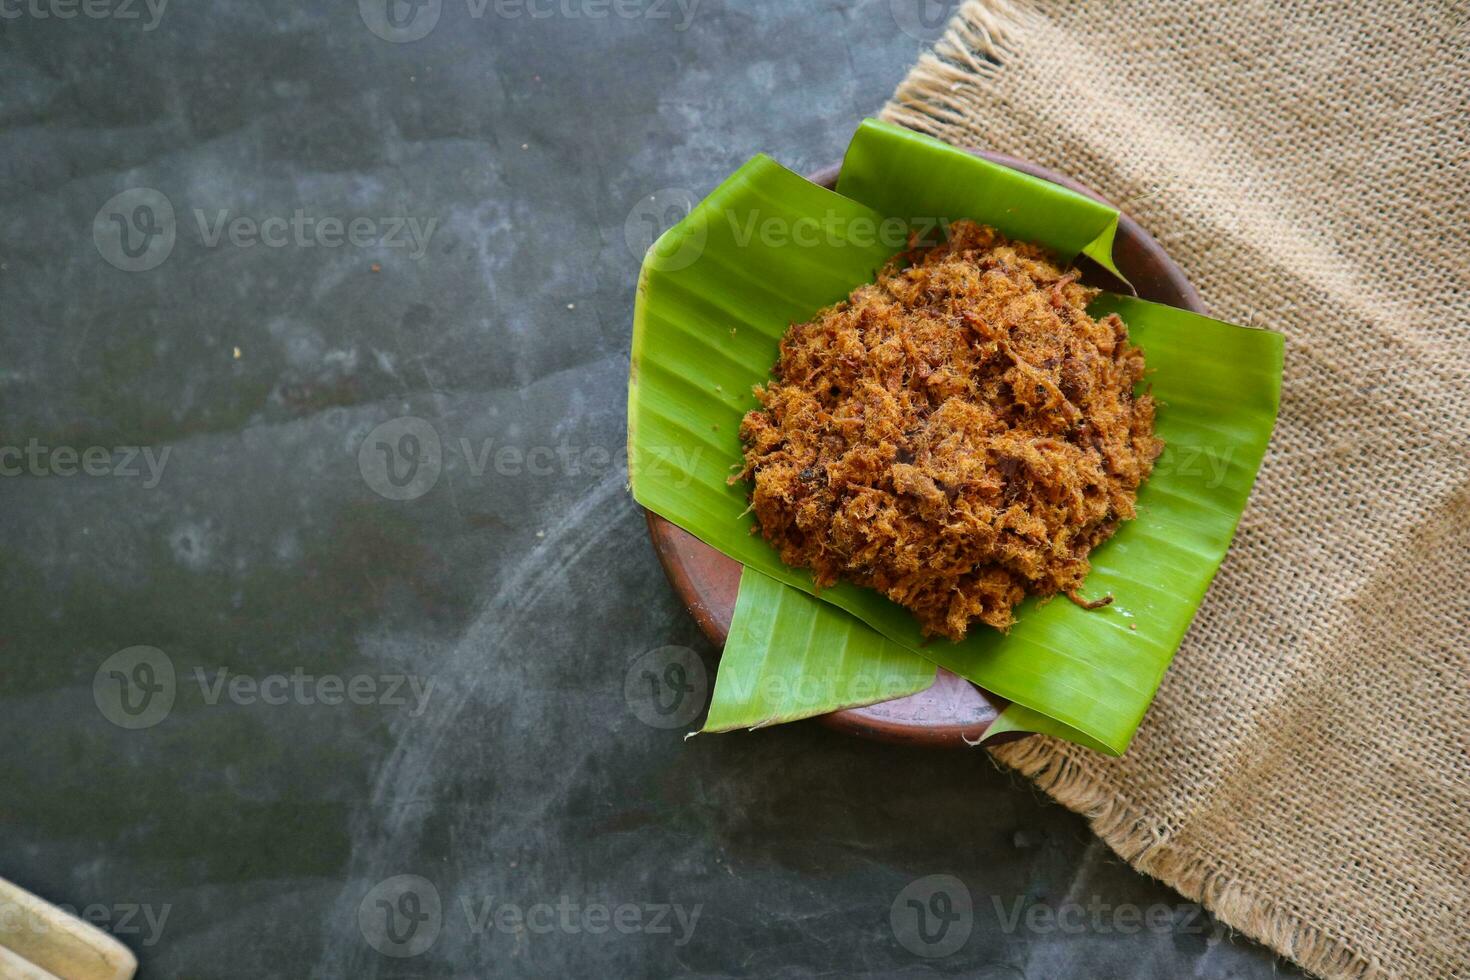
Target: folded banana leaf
{"points": [[790, 656], [879, 170], [767, 248]]}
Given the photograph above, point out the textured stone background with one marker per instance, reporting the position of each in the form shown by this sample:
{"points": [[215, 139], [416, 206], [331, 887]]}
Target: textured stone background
{"points": [[245, 836]]}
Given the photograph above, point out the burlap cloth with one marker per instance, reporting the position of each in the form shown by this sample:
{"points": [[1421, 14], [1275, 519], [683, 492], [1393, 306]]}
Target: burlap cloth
{"points": [[1305, 770]]}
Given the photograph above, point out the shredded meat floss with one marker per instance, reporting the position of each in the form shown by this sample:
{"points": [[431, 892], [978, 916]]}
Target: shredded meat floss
{"points": [[957, 435]]}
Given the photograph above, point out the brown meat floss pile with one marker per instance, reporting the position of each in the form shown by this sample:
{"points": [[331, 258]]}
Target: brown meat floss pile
{"points": [[956, 435]]}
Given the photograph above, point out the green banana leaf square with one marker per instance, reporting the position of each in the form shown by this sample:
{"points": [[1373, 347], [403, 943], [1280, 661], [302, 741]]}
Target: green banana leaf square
{"points": [[768, 248]]}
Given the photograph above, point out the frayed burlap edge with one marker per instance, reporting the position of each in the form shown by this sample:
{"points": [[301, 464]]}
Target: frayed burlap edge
{"points": [[1145, 847], [975, 45], [974, 48]]}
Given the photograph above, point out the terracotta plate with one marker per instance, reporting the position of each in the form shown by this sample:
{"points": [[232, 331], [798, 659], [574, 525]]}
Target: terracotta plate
{"points": [[953, 710]]}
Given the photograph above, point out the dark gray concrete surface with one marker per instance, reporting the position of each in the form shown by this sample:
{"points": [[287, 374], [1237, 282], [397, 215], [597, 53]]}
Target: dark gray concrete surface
{"points": [[239, 825]]}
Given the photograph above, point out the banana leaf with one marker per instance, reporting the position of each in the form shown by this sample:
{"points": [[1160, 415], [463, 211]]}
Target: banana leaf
{"points": [[790, 656], [767, 247], [882, 159]]}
